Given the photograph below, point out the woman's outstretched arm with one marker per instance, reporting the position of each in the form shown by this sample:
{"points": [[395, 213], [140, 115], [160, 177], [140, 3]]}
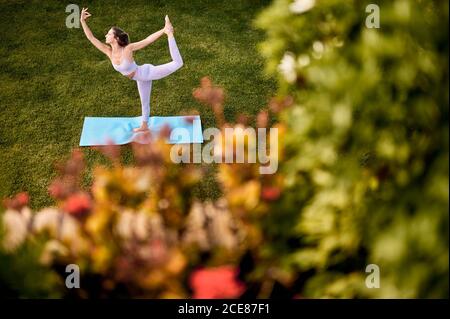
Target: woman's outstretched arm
{"points": [[150, 39], [96, 42]]}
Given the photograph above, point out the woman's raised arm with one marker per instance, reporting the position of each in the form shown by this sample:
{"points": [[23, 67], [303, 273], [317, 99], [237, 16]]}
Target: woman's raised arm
{"points": [[152, 37], [142, 44], [96, 42]]}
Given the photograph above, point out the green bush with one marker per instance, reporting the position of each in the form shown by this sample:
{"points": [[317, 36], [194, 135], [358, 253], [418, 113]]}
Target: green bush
{"points": [[366, 146]]}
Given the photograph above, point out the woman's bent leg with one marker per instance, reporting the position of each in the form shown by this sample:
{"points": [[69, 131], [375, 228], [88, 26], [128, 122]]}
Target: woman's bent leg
{"points": [[144, 88], [163, 70]]}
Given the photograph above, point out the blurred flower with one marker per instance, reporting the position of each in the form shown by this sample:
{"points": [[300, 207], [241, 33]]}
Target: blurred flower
{"points": [[74, 165], [221, 226], [19, 201], [211, 95], [63, 186], [22, 198], [303, 60], [52, 250], [176, 263], [145, 137], [278, 104], [57, 189], [242, 119], [110, 150], [195, 233], [78, 204], [133, 224], [219, 282], [318, 49], [246, 195], [165, 131], [48, 219], [147, 154], [101, 258], [155, 252], [71, 234], [189, 119], [270, 193], [69, 176], [15, 225], [163, 203], [262, 119], [287, 67], [300, 6], [207, 93], [61, 226]]}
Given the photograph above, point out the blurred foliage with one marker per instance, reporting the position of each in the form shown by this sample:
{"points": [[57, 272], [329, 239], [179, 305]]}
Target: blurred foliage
{"points": [[138, 231], [362, 119], [366, 146]]}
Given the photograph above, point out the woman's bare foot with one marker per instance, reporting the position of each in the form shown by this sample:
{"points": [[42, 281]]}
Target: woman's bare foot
{"points": [[168, 28], [143, 128]]}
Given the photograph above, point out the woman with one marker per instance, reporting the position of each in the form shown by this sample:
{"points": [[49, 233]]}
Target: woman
{"points": [[120, 51]]}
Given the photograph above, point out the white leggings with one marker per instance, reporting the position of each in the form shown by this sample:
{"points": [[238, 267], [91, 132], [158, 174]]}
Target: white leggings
{"points": [[147, 72]]}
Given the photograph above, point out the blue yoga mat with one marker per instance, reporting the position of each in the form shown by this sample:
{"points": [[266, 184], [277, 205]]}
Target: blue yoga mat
{"points": [[119, 130]]}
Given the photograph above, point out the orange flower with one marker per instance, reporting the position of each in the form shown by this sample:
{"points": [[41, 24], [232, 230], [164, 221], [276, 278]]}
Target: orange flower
{"points": [[219, 282]]}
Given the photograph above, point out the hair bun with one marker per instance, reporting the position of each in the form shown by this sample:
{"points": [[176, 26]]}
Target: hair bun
{"points": [[122, 37]]}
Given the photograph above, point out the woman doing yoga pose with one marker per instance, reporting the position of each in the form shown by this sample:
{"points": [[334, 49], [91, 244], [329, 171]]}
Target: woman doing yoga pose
{"points": [[120, 52]]}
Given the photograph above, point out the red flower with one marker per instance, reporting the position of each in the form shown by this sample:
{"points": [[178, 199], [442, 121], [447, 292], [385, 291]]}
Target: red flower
{"points": [[57, 189], [189, 119], [219, 282], [17, 202], [110, 150], [77, 204], [165, 131], [22, 198], [270, 193]]}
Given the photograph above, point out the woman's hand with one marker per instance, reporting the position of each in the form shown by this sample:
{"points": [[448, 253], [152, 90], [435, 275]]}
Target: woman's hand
{"points": [[84, 15]]}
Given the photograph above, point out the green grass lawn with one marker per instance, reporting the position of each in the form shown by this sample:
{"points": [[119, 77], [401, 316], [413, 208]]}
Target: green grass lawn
{"points": [[51, 77]]}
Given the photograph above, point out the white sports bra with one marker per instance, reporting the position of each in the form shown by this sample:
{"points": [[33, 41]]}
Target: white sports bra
{"points": [[125, 67]]}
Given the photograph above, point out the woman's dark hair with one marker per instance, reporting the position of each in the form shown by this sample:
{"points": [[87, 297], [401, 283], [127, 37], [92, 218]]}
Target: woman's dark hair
{"points": [[121, 36]]}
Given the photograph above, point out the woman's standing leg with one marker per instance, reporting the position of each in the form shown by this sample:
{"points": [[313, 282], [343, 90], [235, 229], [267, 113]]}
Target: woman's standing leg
{"points": [[145, 88]]}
